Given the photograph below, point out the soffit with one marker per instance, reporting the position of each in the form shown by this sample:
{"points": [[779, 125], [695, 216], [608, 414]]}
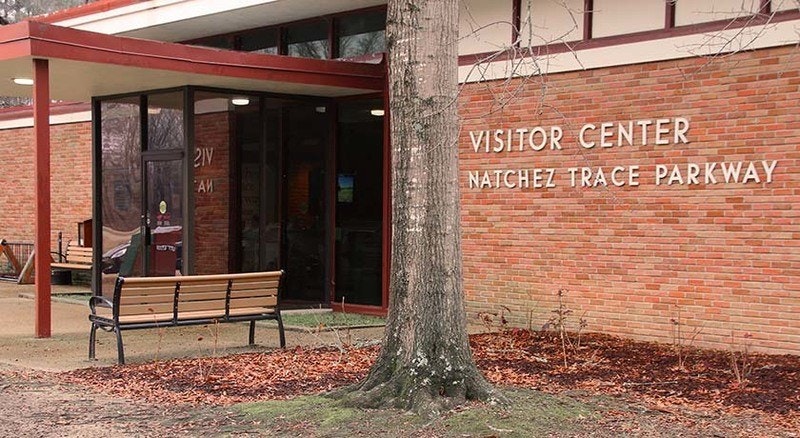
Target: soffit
{"points": [[181, 20]]}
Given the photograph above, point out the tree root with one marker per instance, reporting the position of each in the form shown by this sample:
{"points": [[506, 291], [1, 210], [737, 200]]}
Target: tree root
{"points": [[422, 395]]}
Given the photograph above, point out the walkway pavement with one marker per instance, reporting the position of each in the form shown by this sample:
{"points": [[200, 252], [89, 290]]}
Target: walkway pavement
{"points": [[68, 347]]}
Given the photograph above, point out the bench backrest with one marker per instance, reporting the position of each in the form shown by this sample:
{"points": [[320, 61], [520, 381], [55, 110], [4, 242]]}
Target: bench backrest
{"points": [[193, 293], [79, 254]]}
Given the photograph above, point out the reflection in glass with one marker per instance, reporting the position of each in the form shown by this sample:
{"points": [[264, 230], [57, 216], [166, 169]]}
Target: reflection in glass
{"points": [[165, 121], [121, 193], [213, 234], [361, 34], [165, 216], [217, 42], [259, 218], [305, 129], [260, 41], [308, 40], [359, 207]]}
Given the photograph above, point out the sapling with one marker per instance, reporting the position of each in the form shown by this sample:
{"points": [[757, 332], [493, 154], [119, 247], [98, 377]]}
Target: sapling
{"points": [[740, 361]]}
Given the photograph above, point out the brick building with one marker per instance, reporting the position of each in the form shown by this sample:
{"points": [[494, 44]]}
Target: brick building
{"points": [[644, 157]]}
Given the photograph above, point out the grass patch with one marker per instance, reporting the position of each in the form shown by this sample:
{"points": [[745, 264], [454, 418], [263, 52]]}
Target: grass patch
{"points": [[330, 320], [530, 413], [72, 297]]}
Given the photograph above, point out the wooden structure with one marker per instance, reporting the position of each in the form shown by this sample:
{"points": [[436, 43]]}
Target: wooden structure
{"points": [[77, 257], [154, 302], [22, 272]]}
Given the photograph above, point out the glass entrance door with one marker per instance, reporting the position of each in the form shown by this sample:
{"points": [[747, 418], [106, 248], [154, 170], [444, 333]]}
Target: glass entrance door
{"points": [[163, 218], [306, 143], [359, 203]]}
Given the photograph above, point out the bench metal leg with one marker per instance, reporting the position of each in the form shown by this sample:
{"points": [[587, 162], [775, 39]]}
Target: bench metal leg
{"points": [[280, 328], [252, 332], [92, 338], [120, 351]]}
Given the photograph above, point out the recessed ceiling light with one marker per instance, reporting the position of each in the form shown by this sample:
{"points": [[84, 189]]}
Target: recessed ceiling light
{"points": [[240, 101], [23, 81], [377, 112], [321, 109]]}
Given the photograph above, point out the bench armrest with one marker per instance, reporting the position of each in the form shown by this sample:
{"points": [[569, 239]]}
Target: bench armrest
{"points": [[102, 301]]}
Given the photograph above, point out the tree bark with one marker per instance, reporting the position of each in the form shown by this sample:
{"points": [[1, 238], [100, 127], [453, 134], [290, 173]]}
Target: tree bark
{"points": [[425, 364]]}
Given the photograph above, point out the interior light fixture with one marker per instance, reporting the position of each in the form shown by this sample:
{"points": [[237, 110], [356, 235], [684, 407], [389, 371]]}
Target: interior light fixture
{"points": [[240, 101], [377, 112], [321, 109], [23, 81]]}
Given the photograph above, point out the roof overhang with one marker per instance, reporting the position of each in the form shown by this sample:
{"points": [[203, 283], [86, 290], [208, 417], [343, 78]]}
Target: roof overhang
{"points": [[85, 64], [182, 20]]}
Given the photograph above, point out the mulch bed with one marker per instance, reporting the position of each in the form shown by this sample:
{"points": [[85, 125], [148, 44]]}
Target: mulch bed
{"points": [[601, 365]]}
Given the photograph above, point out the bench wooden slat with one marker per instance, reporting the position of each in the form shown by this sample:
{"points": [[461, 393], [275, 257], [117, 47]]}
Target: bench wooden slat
{"points": [[146, 291], [167, 317], [204, 279], [190, 288], [241, 285], [70, 266], [79, 258], [254, 302], [208, 305], [145, 309], [190, 302], [200, 296], [253, 293], [127, 300]]}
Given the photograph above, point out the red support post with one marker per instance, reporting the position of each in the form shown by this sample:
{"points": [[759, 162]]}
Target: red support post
{"points": [[41, 138]]}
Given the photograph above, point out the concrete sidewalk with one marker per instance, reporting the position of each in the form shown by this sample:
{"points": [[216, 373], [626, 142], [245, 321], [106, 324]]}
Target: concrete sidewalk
{"points": [[67, 349]]}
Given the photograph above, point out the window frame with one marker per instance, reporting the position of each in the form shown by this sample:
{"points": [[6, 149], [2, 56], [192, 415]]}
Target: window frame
{"points": [[330, 19]]}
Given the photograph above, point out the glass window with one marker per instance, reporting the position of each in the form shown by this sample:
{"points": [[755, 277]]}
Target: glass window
{"points": [[217, 42], [308, 40], [361, 34], [359, 202], [217, 116], [121, 189], [260, 41], [165, 121]]}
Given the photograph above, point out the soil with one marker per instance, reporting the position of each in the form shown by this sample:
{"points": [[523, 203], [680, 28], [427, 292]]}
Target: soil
{"points": [[37, 405], [641, 388]]}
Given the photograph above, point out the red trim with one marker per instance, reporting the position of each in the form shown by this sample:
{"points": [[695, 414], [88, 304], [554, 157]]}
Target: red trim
{"points": [[648, 35], [588, 18], [516, 20], [333, 42], [41, 139], [360, 308], [669, 14], [48, 41], [765, 7], [95, 7]]}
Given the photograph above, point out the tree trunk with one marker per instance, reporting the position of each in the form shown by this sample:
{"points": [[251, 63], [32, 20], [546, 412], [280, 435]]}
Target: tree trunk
{"points": [[425, 364]]}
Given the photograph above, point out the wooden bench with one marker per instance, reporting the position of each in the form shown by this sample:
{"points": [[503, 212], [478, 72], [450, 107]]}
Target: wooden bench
{"points": [[76, 258], [153, 302]]}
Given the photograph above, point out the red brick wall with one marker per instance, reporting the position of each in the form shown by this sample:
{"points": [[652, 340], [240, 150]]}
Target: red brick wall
{"points": [[212, 207], [71, 181], [726, 255]]}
